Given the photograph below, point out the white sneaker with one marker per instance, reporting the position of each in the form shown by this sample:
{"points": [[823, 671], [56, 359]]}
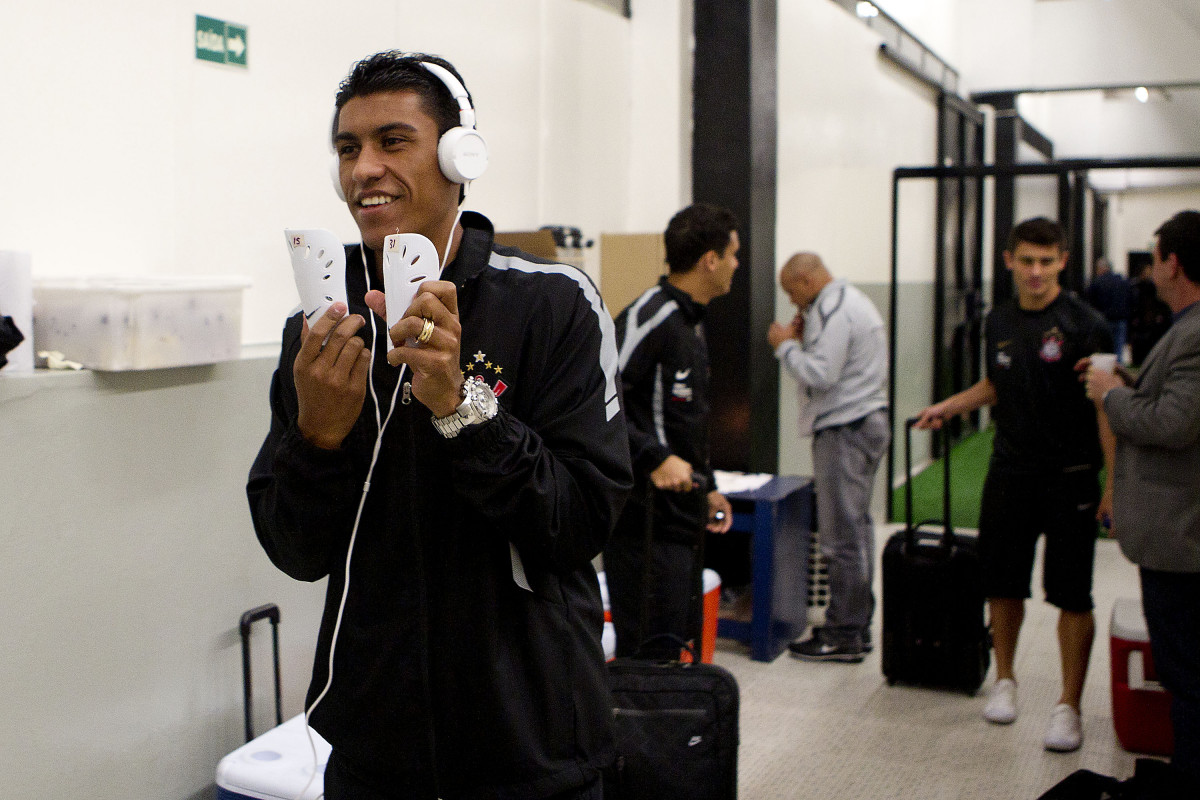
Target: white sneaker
{"points": [[1001, 706], [1065, 732]]}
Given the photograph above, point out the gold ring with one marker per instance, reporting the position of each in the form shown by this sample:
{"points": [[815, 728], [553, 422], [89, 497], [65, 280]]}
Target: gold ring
{"points": [[426, 332]]}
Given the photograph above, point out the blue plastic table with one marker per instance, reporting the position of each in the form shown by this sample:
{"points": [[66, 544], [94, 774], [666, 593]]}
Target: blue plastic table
{"points": [[778, 516]]}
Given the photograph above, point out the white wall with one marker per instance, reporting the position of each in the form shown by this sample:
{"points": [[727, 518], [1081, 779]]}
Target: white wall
{"points": [[847, 118], [660, 125], [1135, 215], [1032, 43], [126, 559], [126, 155]]}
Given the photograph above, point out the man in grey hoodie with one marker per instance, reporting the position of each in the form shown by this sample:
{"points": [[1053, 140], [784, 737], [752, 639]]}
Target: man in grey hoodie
{"points": [[836, 350]]}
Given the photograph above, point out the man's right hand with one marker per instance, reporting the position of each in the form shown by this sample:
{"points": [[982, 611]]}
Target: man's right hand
{"points": [[672, 475], [933, 417], [331, 378]]}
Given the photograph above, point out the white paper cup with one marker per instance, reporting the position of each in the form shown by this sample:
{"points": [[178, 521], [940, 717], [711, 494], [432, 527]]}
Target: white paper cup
{"points": [[1105, 362]]}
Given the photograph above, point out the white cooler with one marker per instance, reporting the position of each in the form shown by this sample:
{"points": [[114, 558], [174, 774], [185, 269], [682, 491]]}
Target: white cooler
{"points": [[275, 766]]}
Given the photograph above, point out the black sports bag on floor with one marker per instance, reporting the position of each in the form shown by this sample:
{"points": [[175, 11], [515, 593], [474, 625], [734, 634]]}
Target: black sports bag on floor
{"points": [[676, 731]]}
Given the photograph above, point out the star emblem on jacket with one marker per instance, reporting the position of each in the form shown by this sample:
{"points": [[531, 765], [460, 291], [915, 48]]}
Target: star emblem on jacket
{"points": [[487, 370]]}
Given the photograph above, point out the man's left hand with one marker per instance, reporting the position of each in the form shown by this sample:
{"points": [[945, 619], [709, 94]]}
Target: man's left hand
{"points": [[1097, 382], [436, 368], [720, 513]]}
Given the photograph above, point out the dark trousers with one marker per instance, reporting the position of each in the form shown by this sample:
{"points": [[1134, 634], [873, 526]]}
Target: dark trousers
{"points": [[1170, 601], [342, 783]]}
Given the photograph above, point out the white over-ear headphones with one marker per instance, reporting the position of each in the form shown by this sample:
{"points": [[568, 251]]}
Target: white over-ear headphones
{"points": [[462, 152]]}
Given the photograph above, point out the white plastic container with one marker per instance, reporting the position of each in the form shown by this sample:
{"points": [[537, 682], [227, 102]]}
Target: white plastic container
{"points": [[118, 324], [277, 765]]}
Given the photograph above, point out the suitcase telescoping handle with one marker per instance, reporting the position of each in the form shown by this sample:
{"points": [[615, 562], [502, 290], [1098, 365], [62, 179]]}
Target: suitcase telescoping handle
{"points": [[700, 483], [910, 530], [269, 611]]}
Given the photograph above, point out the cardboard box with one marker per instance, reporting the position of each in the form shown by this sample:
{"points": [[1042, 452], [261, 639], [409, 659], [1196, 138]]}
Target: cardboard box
{"points": [[630, 263], [139, 323]]}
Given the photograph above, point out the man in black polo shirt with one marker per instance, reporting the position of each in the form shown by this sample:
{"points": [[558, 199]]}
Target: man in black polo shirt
{"points": [[1043, 475]]}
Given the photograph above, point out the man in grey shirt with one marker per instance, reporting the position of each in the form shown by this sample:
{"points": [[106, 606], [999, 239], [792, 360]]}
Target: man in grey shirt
{"points": [[836, 350]]}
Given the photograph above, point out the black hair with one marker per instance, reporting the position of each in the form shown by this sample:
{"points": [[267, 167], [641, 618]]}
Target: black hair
{"points": [[1040, 231], [1181, 235], [397, 70], [694, 231]]}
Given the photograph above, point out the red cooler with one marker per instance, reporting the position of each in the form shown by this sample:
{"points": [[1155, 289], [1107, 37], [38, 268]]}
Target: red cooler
{"points": [[711, 604], [1140, 705]]}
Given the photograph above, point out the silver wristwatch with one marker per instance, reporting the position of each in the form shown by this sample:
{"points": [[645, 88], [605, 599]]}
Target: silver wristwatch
{"points": [[478, 405]]}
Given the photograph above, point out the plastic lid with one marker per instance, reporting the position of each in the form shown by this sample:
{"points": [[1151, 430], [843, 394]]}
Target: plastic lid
{"points": [[711, 580], [1128, 623]]}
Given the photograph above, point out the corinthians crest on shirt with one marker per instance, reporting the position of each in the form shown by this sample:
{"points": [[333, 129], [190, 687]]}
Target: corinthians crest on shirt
{"points": [[489, 371], [1052, 346]]}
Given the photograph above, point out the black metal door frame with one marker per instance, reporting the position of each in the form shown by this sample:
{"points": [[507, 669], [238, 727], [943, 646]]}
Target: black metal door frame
{"points": [[1072, 172]]}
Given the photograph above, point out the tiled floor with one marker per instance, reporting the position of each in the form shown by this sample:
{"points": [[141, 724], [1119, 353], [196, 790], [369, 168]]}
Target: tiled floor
{"points": [[833, 730]]}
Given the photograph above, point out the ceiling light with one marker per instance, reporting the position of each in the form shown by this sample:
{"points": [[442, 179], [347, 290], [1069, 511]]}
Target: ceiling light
{"points": [[866, 10], [1142, 94]]}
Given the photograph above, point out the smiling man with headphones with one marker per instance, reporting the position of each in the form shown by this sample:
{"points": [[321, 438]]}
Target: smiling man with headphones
{"points": [[452, 477]]}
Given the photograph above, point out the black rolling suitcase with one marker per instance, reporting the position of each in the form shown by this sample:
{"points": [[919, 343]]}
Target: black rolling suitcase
{"points": [[676, 723], [933, 605]]}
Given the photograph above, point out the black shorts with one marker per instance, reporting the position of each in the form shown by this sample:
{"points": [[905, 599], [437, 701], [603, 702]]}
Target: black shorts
{"points": [[1016, 509]]}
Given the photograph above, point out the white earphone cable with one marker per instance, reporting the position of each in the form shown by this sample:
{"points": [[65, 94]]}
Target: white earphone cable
{"points": [[380, 427]]}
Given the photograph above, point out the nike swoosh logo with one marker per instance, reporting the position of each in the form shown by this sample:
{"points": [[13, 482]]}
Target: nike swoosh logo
{"points": [[681, 375], [313, 314]]}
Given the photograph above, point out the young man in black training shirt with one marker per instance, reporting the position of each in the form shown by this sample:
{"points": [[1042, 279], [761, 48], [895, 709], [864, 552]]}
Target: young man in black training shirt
{"points": [[1043, 475]]}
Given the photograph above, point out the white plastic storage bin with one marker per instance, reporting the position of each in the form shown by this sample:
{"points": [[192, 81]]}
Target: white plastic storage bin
{"points": [[139, 323]]}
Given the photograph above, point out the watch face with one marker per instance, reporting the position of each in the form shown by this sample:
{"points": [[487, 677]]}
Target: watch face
{"points": [[478, 405], [482, 399]]}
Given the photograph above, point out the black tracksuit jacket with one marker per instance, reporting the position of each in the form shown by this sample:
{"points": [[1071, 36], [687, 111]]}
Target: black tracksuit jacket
{"points": [[449, 678], [665, 379]]}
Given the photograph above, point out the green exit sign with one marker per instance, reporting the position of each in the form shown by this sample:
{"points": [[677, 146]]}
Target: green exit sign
{"points": [[221, 42]]}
